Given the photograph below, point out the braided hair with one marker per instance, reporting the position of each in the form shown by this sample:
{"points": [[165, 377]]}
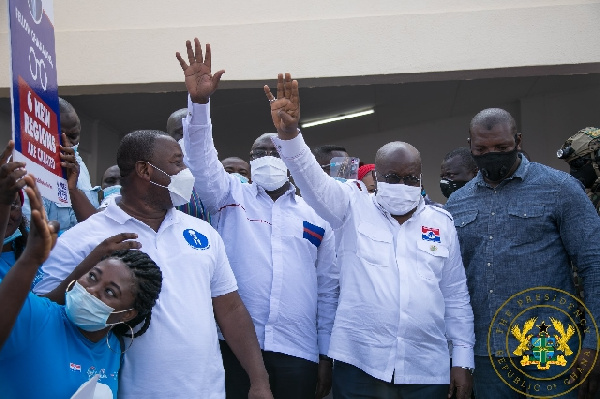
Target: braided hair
{"points": [[148, 282]]}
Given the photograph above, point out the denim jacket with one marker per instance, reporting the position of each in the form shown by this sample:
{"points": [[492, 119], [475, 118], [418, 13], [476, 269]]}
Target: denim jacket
{"points": [[523, 234]]}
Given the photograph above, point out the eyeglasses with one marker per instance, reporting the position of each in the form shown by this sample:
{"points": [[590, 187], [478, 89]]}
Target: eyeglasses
{"points": [[393, 178], [259, 153]]}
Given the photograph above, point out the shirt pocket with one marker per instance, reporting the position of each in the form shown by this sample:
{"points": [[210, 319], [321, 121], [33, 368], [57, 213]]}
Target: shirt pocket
{"points": [[463, 219], [466, 227], [301, 238], [375, 245], [430, 259], [526, 221]]}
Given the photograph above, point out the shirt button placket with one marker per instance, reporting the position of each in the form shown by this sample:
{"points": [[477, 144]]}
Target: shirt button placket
{"points": [[492, 226]]}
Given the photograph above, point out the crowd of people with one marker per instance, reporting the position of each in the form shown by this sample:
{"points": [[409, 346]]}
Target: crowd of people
{"points": [[186, 276]]}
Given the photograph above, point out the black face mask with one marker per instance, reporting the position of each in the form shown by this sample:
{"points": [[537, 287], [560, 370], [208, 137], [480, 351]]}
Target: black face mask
{"points": [[450, 186], [586, 174], [495, 166]]}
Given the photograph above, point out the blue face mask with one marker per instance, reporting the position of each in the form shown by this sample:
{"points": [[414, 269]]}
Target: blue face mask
{"points": [[12, 237], [112, 190], [86, 311], [243, 179]]}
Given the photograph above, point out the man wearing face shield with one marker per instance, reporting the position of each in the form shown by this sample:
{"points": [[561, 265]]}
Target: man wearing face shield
{"points": [[581, 152], [281, 252], [403, 292], [458, 168], [520, 226]]}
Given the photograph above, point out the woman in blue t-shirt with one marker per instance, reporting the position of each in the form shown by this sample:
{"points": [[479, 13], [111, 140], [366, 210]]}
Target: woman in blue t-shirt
{"points": [[50, 350]]}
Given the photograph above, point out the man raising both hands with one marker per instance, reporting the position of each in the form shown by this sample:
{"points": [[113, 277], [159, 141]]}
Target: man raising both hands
{"points": [[281, 252]]}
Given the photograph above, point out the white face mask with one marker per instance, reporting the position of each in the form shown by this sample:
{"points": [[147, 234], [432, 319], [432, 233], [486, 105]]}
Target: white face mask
{"points": [[181, 186], [269, 172], [86, 311], [398, 199]]}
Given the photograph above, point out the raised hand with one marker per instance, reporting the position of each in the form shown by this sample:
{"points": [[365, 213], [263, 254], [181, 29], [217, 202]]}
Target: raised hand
{"points": [[42, 234], [114, 243], [198, 79], [11, 174], [285, 109], [69, 162], [106, 247]]}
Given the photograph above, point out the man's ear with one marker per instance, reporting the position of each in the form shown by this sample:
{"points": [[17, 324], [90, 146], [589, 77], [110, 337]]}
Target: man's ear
{"points": [[519, 141], [142, 170]]}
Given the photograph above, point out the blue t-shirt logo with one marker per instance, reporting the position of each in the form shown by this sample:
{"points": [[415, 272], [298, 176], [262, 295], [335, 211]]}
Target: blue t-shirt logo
{"points": [[195, 239]]}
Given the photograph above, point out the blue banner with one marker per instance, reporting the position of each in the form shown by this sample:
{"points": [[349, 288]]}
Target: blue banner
{"points": [[34, 95]]}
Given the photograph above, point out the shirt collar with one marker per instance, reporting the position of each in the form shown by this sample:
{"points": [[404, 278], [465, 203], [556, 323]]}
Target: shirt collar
{"points": [[519, 173], [291, 191], [114, 212]]}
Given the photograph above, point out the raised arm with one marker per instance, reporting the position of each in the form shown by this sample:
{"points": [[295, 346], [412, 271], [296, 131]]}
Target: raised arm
{"points": [[80, 203], [10, 183], [328, 197], [111, 244], [15, 286], [212, 182]]}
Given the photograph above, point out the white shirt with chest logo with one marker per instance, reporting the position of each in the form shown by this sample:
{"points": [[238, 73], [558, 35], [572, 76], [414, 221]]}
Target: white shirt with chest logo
{"points": [[179, 355], [403, 291], [281, 252]]}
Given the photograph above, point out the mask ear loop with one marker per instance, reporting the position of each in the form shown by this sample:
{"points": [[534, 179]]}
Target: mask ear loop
{"points": [[131, 343]]}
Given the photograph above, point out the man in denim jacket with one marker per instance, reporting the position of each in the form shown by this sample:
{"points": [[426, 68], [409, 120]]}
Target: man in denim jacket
{"points": [[520, 224]]}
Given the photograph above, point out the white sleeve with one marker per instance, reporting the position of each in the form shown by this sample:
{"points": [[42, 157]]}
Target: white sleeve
{"points": [[222, 280], [61, 262], [328, 197], [328, 289], [458, 314], [212, 184]]}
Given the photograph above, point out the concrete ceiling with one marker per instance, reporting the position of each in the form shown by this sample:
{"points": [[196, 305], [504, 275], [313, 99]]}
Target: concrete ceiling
{"points": [[240, 115]]}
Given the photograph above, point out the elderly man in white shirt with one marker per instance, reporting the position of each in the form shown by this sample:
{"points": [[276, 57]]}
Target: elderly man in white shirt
{"points": [[403, 292], [281, 252]]}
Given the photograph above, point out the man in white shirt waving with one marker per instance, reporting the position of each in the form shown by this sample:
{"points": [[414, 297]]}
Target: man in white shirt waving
{"points": [[403, 291], [281, 252]]}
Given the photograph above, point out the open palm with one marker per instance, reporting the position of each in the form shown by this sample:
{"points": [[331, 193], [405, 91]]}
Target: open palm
{"points": [[285, 109], [199, 81]]}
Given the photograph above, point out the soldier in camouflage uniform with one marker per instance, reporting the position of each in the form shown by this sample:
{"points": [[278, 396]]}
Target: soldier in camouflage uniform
{"points": [[581, 152]]}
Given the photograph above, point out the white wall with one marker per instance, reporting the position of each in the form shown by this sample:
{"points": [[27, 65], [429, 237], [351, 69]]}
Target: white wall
{"points": [[101, 45]]}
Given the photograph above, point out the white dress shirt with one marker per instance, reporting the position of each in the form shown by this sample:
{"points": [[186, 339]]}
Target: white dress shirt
{"points": [[178, 356], [287, 279], [403, 291]]}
